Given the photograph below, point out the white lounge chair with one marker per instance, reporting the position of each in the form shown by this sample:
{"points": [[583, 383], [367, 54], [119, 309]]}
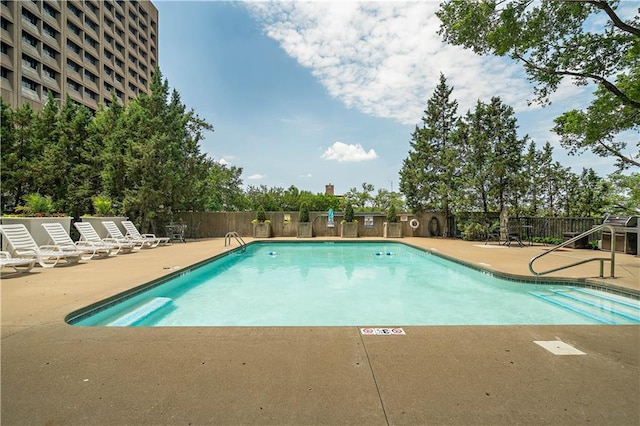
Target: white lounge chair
{"points": [[88, 233], [115, 233], [23, 245], [19, 265], [59, 237], [132, 232]]}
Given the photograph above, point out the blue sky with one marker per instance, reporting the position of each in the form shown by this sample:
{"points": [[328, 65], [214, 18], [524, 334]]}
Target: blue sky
{"points": [[308, 94]]}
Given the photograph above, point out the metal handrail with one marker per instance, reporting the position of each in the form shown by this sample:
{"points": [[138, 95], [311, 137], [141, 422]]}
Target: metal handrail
{"points": [[574, 239], [227, 240]]}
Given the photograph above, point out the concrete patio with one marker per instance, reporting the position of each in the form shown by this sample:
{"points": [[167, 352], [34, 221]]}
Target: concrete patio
{"points": [[57, 374]]}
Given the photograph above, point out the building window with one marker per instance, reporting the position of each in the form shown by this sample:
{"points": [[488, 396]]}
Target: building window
{"points": [[46, 91], [92, 7], [49, 72], [119, 47], [90, 41], [108, 6], [73, 9], [4, 48], [108, 87], [108, 39], [49, 51], [74, 28], [29, 84], [29, 39], [4, 73], [91, 94], [119, 78], [4, 24], [143, 82], [120, 32], [73, 47], [108, 71], [73, 66], [30, 17], [49, 30], [108, 23], [119, 63], [29, 62], [119, 17], [108, 54], [73, 85], [90, 76], [133, 59], [49, 10], [91, 24], [89, 57]]}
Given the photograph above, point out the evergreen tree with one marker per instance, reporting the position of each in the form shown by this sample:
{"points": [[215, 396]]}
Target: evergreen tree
{"points": [[493, 155], [429, 175], [18, 154]]}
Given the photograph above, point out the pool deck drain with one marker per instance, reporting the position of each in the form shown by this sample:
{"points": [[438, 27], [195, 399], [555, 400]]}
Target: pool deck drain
{"points": [[53, 373]]}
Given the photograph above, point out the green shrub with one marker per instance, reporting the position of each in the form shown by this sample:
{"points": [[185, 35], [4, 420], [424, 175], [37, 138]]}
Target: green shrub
{"points": [[348, 212], [392, 216], [36, 205], [304, 212], [102, 205], [261, 216], [473, 231]]}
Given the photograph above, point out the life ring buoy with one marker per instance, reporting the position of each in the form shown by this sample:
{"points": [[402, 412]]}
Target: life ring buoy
{"points": [[414, 224]]}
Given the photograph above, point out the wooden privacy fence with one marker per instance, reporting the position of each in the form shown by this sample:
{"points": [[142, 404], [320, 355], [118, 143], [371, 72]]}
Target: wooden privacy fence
{"points": [[430, 224], [370, 224]]}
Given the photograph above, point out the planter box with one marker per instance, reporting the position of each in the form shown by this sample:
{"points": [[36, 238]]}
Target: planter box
{"points": [[305, 230], [392, 230], [34, 226], [261, 230], [96, 222], [349, 230]]}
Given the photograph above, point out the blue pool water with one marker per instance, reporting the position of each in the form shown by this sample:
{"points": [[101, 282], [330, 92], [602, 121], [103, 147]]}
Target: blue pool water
{"points": [[355, 284]]}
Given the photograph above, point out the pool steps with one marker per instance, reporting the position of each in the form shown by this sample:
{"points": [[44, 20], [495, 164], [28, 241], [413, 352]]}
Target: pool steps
{"points": [[141, 312], [602, 307]]}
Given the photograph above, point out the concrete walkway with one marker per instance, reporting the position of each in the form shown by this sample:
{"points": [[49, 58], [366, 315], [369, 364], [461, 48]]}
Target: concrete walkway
{"points": [[57, 374]]}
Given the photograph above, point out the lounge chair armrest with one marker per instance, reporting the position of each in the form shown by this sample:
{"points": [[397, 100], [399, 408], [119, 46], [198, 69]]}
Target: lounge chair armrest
{"points": [[5, 255], [50, 247], [27, 252], [148, 235]]}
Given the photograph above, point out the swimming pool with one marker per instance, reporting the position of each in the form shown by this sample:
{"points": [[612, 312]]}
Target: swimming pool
{"points": [[351, 284]]}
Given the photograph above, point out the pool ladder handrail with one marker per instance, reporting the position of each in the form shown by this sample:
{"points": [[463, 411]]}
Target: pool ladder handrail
{"points": [[593, 230], [227, 240]]}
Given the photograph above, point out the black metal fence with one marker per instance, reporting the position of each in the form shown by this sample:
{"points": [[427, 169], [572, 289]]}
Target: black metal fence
{"points": [[539, 227]]}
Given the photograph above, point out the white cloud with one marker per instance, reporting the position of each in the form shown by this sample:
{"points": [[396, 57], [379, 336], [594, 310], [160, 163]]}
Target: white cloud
{"points": [[257, 176], [385, 58], [308, 175], [343, 152]]}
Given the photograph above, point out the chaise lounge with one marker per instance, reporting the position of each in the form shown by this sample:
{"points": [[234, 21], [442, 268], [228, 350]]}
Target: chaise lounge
{"points": [[88, 233], [23, 245], [59, 237], [133, 233]]}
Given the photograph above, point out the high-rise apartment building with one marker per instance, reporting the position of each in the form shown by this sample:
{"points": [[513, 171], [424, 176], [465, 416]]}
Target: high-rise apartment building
{"points": [[87, 49]]}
